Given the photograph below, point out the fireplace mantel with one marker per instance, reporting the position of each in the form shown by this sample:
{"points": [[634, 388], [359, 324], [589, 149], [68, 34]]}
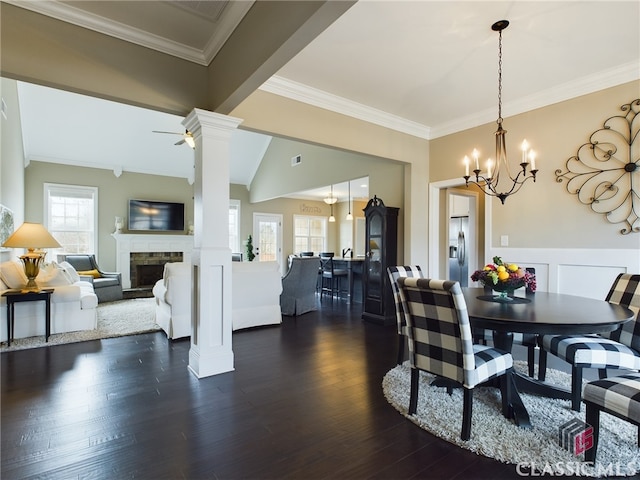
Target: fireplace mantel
{"points": [[133, 243]]}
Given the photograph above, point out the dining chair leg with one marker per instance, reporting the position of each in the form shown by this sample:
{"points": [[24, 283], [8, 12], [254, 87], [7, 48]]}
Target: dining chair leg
{"points": [[531, 359], [467, 410], [413, 398], [592, 417], [400, 349], [576, 387], [542, 365]]}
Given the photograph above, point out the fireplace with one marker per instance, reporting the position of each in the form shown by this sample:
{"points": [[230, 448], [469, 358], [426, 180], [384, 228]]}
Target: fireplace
{"points": [[154, 246], [146, 268]]}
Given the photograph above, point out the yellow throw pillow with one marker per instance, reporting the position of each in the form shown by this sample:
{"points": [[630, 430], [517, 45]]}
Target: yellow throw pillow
{"points": [[90, 273]]}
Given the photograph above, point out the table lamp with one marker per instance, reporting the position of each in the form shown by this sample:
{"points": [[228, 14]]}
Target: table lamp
{"points": [[31, 236]]}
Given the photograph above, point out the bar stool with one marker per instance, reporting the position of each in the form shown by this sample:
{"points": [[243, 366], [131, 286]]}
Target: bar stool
{"points": [[331, 280]]}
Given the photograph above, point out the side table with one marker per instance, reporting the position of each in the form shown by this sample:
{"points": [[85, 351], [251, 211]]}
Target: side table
{"points": [[14, 297]]}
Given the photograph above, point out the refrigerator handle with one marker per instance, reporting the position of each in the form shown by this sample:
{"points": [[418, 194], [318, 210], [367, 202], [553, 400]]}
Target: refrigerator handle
{"points": [[462, 248]]}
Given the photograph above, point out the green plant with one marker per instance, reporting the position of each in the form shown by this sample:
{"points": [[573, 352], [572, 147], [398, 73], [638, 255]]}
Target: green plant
{"points": [[250, 254]]}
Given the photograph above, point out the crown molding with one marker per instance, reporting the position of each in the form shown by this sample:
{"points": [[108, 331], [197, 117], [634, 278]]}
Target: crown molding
{"points": [[593, 83], [318, 98], [81, 18], [234, 10], [590, 84]]}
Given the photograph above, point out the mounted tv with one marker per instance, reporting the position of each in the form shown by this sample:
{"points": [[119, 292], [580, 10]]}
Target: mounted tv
{"points": [[159, 216]]}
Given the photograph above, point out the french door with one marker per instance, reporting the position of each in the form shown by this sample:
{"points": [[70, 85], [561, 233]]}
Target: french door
{"points": [[267, 237]]}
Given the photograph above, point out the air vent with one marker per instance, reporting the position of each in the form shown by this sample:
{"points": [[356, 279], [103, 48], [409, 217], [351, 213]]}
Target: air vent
{"points": [[297, 160]]}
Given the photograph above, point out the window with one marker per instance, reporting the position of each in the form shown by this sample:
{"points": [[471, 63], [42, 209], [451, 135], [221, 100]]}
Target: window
{"points": [[70, 213], [234, 226], [310, 234]]}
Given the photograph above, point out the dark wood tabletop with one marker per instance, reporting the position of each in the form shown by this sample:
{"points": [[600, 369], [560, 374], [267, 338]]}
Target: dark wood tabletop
{"points": [[542, 313], [546, 313]]}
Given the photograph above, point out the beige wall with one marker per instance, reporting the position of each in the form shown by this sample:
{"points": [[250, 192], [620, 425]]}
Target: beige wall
{"points": [[11, 154], [543, 214], [269, 113], [113, 196]]}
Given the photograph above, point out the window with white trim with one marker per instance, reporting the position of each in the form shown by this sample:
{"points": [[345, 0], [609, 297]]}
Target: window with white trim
{"points": [[310, 234], [71, 217], [234, 226]]}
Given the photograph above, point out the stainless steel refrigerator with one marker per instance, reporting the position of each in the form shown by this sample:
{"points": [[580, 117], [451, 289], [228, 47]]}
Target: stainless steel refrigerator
{"points": [[458, 254]]}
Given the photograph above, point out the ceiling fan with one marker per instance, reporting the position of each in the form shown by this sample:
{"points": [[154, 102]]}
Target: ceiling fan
{"points": [[187, 137]]}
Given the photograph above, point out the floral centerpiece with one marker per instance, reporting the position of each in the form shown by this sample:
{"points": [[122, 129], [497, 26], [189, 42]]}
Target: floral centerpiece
{"points": [[504, 277]]}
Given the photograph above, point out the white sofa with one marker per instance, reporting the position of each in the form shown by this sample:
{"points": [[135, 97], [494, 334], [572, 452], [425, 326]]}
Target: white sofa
{"points": [[73, 302], [255, 295], [256, 288], [173, 300]]}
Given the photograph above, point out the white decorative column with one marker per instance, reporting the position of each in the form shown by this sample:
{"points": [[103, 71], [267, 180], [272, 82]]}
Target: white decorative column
{"points": [[211, 350]]}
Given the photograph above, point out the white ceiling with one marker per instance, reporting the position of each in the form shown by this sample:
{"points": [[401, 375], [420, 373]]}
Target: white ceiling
{"points": [[428, 68]]}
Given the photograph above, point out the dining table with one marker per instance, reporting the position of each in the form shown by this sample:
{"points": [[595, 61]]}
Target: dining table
{"points": [[541, 313]]}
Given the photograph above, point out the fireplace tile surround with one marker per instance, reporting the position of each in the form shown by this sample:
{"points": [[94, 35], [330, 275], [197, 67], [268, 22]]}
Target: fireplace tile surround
{"points": [[148, 249]]}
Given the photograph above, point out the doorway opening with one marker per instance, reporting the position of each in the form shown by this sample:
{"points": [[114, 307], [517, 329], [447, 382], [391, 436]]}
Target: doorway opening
{"points": [[450, 199]]}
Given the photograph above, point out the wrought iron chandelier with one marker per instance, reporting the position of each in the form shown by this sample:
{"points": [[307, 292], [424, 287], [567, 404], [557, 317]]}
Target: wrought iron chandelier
{"points": [[489, 182]]}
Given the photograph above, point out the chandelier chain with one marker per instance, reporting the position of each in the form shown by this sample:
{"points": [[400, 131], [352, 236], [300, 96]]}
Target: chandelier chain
{"points": [[500, 77]]}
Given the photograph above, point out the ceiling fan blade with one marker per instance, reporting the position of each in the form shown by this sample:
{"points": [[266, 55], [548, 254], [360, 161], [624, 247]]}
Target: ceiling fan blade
{"points": [[170, 133], [180, 142]]}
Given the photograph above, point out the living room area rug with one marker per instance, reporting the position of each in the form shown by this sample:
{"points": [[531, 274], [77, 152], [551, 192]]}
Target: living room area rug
{"points": [[496, 437], [115, 319]]}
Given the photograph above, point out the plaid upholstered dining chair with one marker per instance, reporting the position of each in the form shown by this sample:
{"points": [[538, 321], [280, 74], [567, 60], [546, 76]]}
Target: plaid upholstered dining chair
{"points": [[619, 349], [440, 342], [395, 273]]}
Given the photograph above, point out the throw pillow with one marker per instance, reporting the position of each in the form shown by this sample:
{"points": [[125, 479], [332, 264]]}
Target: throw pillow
{"points": [[90, 273], [70, 271], [52, 275], [13, 275]]}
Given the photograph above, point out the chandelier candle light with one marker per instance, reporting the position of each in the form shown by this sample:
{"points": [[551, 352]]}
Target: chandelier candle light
{"points": [[489, 183]]}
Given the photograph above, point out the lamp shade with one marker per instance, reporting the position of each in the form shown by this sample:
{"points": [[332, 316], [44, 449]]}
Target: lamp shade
{"points": [[31, 236]]}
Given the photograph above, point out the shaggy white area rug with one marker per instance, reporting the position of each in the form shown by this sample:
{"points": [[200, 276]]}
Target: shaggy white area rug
{"points": [[115, 319], [494, 436]]}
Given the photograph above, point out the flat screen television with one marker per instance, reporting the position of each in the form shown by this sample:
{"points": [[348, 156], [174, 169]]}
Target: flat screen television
{"points": [[155, 215]]}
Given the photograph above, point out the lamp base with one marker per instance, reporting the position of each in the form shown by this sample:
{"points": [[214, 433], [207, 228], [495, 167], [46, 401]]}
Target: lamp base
{"points": [[32, 262]]}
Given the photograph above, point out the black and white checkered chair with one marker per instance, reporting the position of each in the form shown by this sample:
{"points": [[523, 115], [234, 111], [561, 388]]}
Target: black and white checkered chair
{"points": [[440, 342], [618, 396], [395, 273], [619, 349]]}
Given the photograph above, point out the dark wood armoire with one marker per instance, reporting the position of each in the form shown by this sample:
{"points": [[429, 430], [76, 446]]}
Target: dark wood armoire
{"points": [[381, 252]]}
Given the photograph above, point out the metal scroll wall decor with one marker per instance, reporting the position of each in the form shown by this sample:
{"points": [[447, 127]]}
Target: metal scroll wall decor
{"points": [[605, 173]]}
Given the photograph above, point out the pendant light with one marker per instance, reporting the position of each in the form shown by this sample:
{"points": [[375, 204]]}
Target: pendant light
{"points": [[349, 216], [330, 200]]}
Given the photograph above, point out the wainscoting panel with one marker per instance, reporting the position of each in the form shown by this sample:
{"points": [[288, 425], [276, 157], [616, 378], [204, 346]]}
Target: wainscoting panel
{"points": [[571, 280], [583, 272]]}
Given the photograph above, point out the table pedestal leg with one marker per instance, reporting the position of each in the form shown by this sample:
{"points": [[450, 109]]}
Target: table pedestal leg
{"points": [[504, 341]]}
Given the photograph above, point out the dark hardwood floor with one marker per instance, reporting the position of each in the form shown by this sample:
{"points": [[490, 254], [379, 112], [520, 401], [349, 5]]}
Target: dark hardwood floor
{"points": [[304, 402]]}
